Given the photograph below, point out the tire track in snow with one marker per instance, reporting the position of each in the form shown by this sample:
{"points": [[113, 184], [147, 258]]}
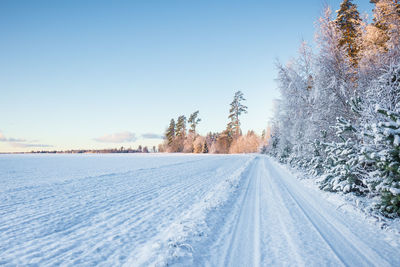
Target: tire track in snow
{"points": [[275, 221], [280, 223], [104, 218], [243, 247], [344, 245], [155, 209]]}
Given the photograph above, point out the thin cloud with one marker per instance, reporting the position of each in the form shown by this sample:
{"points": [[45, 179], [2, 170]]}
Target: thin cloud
{"points": [[152, 136], [3, 138], [25, 145], [123, 137], [21, 143]]}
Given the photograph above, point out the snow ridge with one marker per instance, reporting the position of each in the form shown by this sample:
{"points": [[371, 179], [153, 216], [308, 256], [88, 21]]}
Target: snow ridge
{"points": [[173, 242]]}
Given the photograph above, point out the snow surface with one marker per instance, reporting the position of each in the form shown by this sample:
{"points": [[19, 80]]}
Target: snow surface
{"points": [[156, 210]]}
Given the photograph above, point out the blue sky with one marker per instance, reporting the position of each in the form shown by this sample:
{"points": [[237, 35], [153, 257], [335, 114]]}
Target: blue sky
{"points": [[100, 74]]}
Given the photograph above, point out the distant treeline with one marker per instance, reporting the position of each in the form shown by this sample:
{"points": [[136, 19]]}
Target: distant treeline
{"points": [[140, 149], [231, 140]]}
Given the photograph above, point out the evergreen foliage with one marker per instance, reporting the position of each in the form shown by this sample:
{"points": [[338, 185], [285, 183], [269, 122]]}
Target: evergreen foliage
{"points": [[170, 133], [383, 153], [180, 130], [193, 121], [205, 148], [343, 169]]}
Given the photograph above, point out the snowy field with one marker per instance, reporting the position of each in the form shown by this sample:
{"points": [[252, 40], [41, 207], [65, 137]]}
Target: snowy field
{"points": [[201, 210]]}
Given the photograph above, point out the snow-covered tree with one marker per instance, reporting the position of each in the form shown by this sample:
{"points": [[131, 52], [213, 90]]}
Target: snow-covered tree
{"points": [[380, 40], [387, 19], [343, 167], [293, 112], [383, 152], [188, 144], [316, 164], [326, 120], [333, 80]]}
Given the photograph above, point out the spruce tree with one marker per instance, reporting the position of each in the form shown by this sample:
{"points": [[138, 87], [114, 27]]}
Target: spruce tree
{"points": [[343, 169], [316, 165], [348, 21], [343, 166], [237, 108], [180, 133], [384, 154], [180, 129], [205, 148]]}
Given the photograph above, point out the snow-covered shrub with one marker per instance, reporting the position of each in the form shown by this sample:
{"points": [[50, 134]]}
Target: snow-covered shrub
{"points": [[384, 153], [316, 165], [343, 169]]}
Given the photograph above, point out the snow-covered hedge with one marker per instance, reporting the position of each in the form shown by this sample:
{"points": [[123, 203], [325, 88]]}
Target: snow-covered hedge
{"points": [[339, 112]]}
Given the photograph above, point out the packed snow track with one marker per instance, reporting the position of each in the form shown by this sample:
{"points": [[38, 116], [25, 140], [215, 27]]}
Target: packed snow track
{"points": [[179, 210]]}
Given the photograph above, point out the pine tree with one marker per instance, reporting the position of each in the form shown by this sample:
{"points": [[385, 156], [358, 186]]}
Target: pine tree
{"points": [[237, 108], [180, 134], [180, 130], [229, 133], [170, 133], [193, 121], [348, 21]]}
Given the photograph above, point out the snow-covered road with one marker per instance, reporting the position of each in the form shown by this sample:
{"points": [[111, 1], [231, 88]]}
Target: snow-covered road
{"points": [[278, 221], [201, 210]]}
